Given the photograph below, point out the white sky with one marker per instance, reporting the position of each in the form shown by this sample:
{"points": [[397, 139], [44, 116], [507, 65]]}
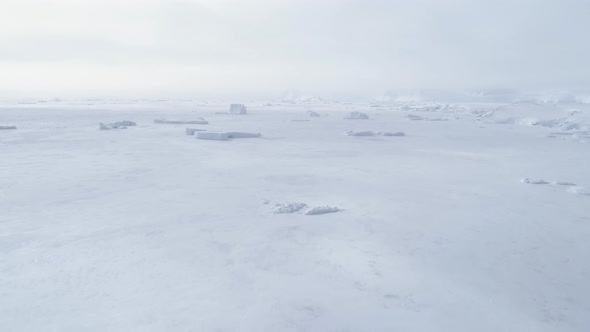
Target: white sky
{"points": [[207, 48]]}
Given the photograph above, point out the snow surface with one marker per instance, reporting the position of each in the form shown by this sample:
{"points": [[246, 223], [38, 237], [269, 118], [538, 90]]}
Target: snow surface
{"points": [[151, 230], [197, 121]]}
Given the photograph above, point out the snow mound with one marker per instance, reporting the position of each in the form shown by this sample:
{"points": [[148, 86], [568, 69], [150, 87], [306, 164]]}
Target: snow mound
{"points": [[357, 116], [317, 210], [313, 114], [237, 109], [388, 133], [192, 131], [579, 191], [7, 127], [117, 125], [197, 121], [533, 181], [288, 208]]}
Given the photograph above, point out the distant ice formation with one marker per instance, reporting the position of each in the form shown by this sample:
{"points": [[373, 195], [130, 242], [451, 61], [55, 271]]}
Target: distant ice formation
{"points": [[237, 109], [357, 116]]}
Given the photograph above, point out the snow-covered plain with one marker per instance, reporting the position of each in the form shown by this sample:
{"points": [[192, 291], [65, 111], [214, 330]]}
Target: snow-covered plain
{"points": [[149, 229]]}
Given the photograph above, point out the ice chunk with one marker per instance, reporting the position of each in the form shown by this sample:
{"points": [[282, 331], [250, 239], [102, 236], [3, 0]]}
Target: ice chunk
{"points": [[237, 109], [7, 127], [534, 181], [117, 125], [288, 208], [219, 136], [313, 114], [360, 133], [236, 134], [357, 116], [125, 123], [321, 210], [562, 183], [192, 131], [388, 133], [197, 121]]}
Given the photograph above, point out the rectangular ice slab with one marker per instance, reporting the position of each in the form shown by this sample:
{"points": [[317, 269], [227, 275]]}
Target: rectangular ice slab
{"points": [[212, 136], [7, 127], [236, 134], [192, 131]]}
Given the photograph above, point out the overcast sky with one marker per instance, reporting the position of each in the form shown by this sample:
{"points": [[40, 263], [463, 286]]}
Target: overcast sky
{"points": [[210, 48]]}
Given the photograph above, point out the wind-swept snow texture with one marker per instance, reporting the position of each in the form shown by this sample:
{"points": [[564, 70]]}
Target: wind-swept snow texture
{"points": [[151, 230]]}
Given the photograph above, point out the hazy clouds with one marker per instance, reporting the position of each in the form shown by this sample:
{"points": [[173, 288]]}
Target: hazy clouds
{"points": [[184, 48]]}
